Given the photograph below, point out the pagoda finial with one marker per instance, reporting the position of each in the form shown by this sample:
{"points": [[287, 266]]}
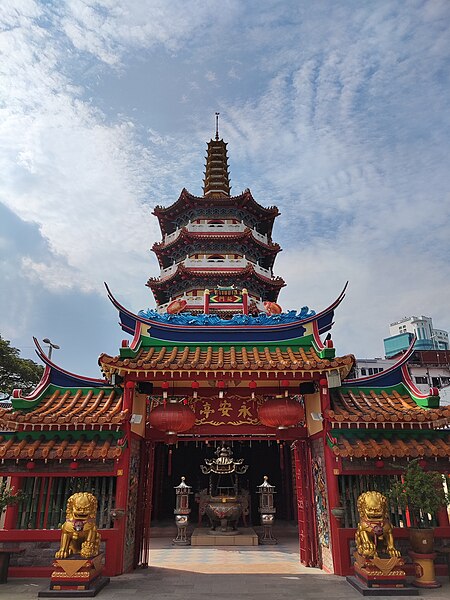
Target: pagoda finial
{"points": [[216, 182], [217, 126]]}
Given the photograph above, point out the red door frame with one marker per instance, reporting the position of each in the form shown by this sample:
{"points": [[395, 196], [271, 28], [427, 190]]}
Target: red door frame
{"points": [[307, 525]]}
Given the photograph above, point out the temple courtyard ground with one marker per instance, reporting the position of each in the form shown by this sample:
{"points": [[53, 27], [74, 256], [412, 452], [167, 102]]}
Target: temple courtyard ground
{"points": [[189, 573]]}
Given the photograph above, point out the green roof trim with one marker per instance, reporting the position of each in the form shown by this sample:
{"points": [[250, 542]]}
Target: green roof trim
{"points": [[147, 342]]}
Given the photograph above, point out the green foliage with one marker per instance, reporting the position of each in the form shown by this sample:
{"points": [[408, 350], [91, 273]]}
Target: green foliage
{"points": [[420, 491], [8, 496], [16, 372]]}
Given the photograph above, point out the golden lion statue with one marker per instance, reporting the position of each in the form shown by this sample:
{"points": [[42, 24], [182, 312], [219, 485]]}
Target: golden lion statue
{"points": [[374, 533], [79, 533]]}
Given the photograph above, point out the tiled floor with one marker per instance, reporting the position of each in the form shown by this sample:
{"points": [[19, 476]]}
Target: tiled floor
{"points": [[227, 573], [282, 558]]}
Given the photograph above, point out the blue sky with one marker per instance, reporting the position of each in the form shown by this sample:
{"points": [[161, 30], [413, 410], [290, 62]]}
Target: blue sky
{"points": [[337, 112]]}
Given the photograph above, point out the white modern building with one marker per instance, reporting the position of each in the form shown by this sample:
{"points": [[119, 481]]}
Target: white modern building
{"points": [[401, 333]]}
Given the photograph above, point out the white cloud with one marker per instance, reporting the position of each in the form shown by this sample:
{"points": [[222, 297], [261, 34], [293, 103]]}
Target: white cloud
{"points": [[341, 117]]}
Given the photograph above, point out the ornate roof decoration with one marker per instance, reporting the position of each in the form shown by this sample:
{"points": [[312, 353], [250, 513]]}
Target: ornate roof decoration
{"points": [[194, 332], [237, 319]]}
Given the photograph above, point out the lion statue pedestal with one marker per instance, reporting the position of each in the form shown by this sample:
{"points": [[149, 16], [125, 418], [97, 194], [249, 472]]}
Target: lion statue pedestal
{"points": [[374, 537], [79, 563]]}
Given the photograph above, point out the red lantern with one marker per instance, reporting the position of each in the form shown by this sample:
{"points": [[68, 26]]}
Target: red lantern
{"points": [[379, 464], [31, 465], [323, 382], [281, 413], [253, 385], [422, 463], [195, 385], [73, 465], [130, 385], [172, 418]]}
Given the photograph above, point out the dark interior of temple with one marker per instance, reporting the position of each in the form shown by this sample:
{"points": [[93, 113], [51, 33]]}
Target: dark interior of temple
{"points": [[172, 462]]}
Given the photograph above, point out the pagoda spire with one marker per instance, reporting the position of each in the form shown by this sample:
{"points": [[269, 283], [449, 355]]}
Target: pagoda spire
{"points": [[216, 182]]}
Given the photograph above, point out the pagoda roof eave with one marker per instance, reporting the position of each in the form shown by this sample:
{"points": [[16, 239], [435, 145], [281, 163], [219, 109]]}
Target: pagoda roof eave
{"points": [[186, 199], [156, 283], [132, 324], [185, 235]]}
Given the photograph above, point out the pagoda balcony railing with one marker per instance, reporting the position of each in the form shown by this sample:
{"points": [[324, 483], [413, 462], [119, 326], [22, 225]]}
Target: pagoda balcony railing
{"points": [[214, 264], [215, 228], [211, 227]]}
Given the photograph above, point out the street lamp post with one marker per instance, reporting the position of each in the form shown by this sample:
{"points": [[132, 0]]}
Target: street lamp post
{"points": [[51, 346]]}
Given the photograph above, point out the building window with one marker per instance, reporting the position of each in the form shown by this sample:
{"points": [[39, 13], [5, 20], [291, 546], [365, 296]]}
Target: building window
{"points": [[421, 380]]}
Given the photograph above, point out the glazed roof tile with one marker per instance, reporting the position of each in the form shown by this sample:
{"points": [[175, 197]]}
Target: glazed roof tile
{"points": [[53, 447], [218, 358], [387, 447], [369, 406], [68, 408]]}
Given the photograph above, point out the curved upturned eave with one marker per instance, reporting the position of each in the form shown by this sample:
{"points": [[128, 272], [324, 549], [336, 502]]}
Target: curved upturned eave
{"points": [[129, 321], [55, 375], [387, 378]]}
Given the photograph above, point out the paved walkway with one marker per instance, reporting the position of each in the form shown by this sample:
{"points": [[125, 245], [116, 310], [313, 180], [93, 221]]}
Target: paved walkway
{"points": [[189, 573]]}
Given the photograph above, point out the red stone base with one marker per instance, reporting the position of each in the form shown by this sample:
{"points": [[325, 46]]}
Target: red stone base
{"points": [[380, 572], [76, 577]]}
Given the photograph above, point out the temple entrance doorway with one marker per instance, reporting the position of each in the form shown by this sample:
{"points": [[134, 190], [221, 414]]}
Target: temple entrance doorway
{"points": [[263, 458], [184, 459]]}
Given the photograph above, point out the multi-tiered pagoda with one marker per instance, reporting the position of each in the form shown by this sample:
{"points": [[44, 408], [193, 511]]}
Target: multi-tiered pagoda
{"points": [[217, 361], [217, 254]]}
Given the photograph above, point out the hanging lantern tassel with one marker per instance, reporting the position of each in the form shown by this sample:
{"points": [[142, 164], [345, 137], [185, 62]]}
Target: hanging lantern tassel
{"points": [[221, 386], [252, 385], [169, 463], [285, 384], [282, 456]]}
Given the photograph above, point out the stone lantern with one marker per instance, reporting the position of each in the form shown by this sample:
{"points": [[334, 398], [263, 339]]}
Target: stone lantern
{"points": [[267, 511], [182, 512]]}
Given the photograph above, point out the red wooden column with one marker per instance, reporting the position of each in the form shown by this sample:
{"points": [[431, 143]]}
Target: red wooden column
{"points": [[13, 511], [332, 482]]}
